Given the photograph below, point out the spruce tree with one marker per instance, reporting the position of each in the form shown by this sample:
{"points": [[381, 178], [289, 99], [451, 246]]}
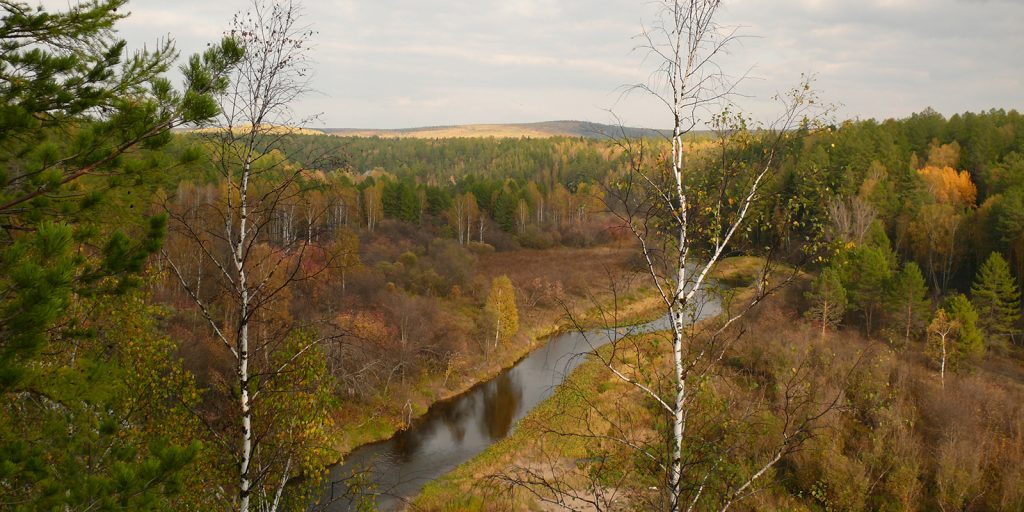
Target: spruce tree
{"points": [[866, 274], [909, 296], [997, 299]]}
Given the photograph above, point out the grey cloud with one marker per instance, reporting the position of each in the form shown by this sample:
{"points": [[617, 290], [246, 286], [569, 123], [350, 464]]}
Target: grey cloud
{"points": [[398, 63]]}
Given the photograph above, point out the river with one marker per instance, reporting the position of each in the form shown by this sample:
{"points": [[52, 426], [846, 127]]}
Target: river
{"points": [[456, 430]]}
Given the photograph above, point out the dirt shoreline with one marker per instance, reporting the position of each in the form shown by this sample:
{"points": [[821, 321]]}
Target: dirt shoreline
{"points": [[738, 271], [633, 311]]}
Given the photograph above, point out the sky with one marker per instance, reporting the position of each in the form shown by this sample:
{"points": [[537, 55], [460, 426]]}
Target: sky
{"points": [[411, 63]]}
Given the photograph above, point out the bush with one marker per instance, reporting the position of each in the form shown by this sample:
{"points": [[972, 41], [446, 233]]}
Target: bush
{"points": [[480, 248], [533, 238]]}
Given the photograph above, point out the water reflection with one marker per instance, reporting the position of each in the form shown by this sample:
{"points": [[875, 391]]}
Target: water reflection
{"points": [[502, 400], [453, 432]]}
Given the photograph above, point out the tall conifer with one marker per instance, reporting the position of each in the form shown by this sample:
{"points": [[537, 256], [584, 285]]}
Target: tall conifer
{"points": [[910, 304], [828, 300], [78, 352], [997, 299]]}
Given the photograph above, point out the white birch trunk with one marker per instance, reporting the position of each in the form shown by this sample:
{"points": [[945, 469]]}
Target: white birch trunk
{"points": [[245, 483], [942, 367]]}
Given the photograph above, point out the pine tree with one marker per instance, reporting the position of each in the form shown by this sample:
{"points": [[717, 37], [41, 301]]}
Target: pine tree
{"points": [[909, 296], [828, 300], [997, 298], [501, 306], [866, 274], [73, 105]]}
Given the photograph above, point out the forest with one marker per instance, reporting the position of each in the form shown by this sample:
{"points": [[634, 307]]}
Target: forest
{"points": [[205, 309]]}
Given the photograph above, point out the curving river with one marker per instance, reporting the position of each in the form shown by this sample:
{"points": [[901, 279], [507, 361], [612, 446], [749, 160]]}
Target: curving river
{"points": [[456, 430]]}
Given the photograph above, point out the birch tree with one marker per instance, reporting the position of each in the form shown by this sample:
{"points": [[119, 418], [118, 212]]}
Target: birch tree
{"points": [[501, 307], [941, 335], [686, 215], [683, 233], [461, 215], [372, 206], [275, 430]]}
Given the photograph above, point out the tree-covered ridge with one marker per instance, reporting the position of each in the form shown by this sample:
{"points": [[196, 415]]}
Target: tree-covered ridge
{"points": [[516, 130], [437, 161]]}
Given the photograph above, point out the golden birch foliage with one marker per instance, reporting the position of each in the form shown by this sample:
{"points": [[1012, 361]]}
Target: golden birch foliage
{"points": [[501, 303], [373, 208], [949, 186]]}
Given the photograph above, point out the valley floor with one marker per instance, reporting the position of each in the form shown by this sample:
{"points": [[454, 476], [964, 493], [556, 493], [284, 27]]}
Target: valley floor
{"points": [[587, 296]]}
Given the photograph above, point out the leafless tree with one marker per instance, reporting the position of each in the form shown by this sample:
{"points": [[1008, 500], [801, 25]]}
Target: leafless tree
{"points": [[851, 219], [687, 214], [254, 263]]}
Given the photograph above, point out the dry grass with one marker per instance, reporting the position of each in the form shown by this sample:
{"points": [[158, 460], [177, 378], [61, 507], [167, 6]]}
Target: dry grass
{"points": [[267, 129]]}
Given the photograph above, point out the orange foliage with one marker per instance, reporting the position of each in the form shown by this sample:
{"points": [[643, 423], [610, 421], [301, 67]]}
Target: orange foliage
{"points": [[949, 186], [366, 326]]}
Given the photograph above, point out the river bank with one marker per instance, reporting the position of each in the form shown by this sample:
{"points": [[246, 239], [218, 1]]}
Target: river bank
{"points": [[464, 488], [598, 307]]}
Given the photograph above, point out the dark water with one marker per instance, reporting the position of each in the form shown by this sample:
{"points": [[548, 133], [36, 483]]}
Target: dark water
{"points": [[455, 431]]}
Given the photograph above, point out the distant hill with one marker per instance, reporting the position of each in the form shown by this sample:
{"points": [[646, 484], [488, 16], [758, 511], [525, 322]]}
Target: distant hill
{"points": [[266, 129], [536, 130]]}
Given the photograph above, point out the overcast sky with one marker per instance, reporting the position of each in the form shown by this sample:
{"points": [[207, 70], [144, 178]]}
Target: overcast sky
{"points": [[405, 63]]}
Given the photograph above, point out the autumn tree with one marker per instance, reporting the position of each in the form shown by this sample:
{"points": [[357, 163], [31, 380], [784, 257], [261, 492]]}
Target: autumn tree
{"points": [[373, 208], [501, 308], [943, 155], [950, 186], [343, 252], [828, 300], [522, 216], [937, 230], [686, 217], [934, 236], [462, 215], [997, 298], [275, 429]]}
